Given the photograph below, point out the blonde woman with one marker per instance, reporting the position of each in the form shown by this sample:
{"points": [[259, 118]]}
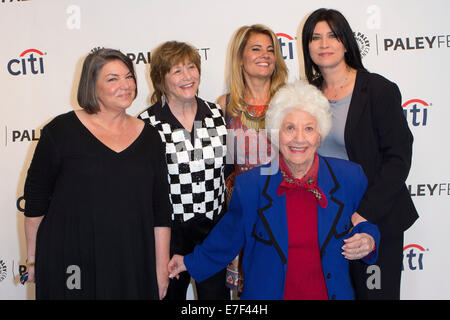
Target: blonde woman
{"points": [[256, 70]]}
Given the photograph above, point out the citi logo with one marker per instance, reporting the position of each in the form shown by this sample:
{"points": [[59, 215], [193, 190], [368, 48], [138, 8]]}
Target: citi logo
{"points": [[30, 61], [416, 112], [286, 45], [413, 254]]}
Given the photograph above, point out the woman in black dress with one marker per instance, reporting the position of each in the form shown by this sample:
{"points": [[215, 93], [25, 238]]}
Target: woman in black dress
{"points": [[97, 198]]}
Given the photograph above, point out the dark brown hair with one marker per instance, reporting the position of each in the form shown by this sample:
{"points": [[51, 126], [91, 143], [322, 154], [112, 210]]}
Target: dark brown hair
{"points": [[94, 62]]}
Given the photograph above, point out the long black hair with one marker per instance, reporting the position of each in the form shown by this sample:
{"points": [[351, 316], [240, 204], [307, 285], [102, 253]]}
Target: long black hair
{"points": [[341, 28]]}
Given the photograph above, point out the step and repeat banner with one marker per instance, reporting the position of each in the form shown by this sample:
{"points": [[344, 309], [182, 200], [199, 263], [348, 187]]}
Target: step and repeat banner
{"points": [[44, 43]]}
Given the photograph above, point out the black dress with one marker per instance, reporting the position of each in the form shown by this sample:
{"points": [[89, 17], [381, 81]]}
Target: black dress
{"points": [[96, 240]]}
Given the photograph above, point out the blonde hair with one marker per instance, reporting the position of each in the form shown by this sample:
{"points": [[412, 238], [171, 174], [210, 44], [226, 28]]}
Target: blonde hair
{"points": [[164, 57], [299, 96], [235, 78]]}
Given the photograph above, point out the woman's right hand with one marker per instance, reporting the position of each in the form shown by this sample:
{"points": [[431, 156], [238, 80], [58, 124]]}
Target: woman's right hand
{"points": [[176, 266]]}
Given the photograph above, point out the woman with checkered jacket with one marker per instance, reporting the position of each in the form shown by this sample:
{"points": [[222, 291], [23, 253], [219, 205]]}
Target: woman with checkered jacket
{"points": [[194, 134]]}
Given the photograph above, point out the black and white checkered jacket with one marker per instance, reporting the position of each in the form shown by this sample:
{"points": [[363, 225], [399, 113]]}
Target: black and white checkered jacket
{"points": [[195, 163]]}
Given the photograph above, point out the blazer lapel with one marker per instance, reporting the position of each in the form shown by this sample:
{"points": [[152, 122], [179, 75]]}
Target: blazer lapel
{"points": [[273, 214], [357, 105], [328, 217], [273, 209]]}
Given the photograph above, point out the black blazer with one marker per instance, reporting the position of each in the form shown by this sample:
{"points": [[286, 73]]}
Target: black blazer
{"points": [[378, 138]]}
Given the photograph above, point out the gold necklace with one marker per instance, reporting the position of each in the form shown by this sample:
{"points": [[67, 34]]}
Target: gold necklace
{"points": [[252, 118], [339, 89]]}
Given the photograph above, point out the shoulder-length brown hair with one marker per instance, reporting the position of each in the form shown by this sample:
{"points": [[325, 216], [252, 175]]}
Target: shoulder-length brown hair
{"points": [[235, 78], [164, 57], [94, 62]]}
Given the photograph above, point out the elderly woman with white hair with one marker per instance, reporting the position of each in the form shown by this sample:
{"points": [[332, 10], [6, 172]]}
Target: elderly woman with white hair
{"points": [[293, 215]]}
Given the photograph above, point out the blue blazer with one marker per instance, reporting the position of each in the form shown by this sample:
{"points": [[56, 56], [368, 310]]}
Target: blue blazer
{"points": [[256, 220]]}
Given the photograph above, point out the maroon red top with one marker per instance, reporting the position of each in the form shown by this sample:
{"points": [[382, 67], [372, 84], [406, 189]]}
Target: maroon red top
{"points": [[304, 277]]}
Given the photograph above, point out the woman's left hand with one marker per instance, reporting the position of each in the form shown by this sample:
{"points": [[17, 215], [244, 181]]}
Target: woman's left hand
{"points": [[358, 246]]}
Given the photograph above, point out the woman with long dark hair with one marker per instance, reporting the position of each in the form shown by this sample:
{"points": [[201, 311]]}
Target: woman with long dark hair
{"points": [[369, 128]]}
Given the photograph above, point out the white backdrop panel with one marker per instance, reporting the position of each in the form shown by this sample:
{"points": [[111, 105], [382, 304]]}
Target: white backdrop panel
{"points": [[407, 41]]}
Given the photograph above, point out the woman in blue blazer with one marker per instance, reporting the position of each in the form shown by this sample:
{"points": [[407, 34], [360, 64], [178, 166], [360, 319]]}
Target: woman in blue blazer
{"points": [[369, 128], [263, 209]]}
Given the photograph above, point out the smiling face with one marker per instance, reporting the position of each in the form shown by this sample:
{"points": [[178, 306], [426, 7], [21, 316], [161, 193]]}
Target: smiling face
{"points": [[299, 140], [115, 87], [181, 82], [325, 48], [258, 57]]}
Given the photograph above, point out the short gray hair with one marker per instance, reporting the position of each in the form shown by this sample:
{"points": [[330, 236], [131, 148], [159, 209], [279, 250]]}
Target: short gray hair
{"points": [[299, 96]]}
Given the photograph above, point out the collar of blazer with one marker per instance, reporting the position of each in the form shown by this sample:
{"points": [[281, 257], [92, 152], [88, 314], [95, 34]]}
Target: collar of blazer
{"points": [[273, 208]]}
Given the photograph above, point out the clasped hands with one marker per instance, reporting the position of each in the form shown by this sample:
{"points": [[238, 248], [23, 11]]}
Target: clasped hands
{"points": [[356, 247], [176, 266], [359, 245]]}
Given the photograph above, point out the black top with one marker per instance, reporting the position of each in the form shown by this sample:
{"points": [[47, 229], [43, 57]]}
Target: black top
{"points": [[165, 115], [96, 240]]}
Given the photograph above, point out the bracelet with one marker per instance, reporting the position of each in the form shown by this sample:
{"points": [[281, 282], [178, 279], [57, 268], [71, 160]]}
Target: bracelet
{"points": [[29, 264]]}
